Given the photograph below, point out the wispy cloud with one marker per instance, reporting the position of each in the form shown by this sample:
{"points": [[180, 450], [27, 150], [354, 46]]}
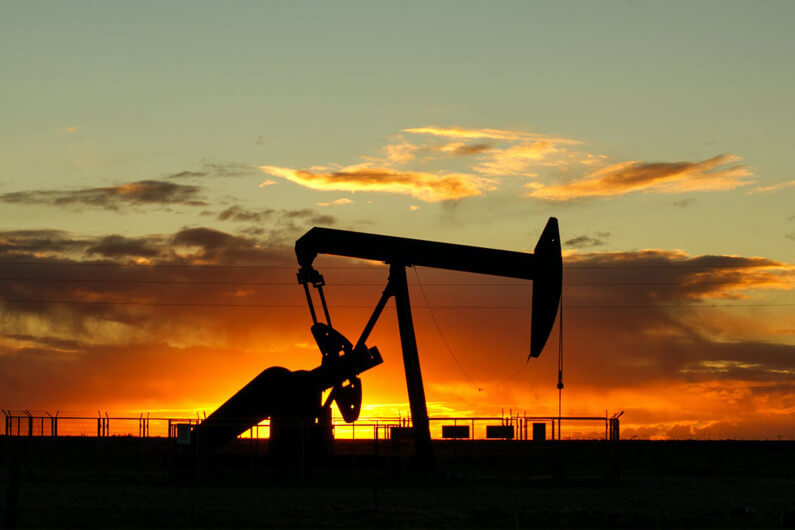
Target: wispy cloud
{"points": [[217, 170], [144, 192], [492, 134], [337, 202], [586, 241], [283, 224], [519, 159], [400, 153], [722, 172], [430, 187], [774, 187]]}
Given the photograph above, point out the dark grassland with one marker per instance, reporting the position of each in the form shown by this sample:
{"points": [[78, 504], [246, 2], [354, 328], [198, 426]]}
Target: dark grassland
{"points": [[151, 483]]}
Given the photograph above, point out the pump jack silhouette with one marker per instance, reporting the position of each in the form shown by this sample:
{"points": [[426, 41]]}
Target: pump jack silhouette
{"points": [[293, 399]]}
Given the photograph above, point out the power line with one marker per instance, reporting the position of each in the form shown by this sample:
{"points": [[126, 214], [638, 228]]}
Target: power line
{"points": [[373, 266], [174, 265], [439, 330], [450, 350], [345, 284], [355, 306]]}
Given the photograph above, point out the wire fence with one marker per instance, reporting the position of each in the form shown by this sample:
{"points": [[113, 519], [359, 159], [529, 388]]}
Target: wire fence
{"points": [[144, 425]]}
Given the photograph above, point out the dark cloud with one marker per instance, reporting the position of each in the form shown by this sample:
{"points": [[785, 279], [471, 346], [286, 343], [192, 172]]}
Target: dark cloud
{"points": [[678, 276], [244, 215], [238, 213], [55, 266], [636, 321], [276, 225], [472, 149], [116, 246], [310, 216], [585, 241], [144, 192], [216, 169], [459, 149], [24, 242], [684, 203], [216, 247], [36, 244], [790, 236], [187, 174]]}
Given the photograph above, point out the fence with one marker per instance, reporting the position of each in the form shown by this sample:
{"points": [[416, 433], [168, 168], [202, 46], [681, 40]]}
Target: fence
{"points": [[511, 426]]}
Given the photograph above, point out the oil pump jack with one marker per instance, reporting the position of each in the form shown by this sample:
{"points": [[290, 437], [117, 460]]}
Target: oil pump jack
{"points": [[293, 399]]}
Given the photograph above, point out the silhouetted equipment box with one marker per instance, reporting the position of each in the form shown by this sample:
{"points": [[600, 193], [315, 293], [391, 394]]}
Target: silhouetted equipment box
{"points": [[183, 434], [455, 431], [539, 432], [499, 431], [401, 433]]}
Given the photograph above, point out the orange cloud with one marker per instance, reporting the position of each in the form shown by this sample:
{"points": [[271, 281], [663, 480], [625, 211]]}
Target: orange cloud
{"points": [[429, 187], [519, 159], [400, 153], [718, 173], [493, 134], [337, 202]]}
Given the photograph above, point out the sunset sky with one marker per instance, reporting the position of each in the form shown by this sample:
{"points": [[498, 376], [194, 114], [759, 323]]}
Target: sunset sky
{"points": [[158, 160]]}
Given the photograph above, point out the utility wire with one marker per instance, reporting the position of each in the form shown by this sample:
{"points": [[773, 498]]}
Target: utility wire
{"points": [[450, 350], [176, 266], [518, 307], [347, 284], [441, 334], [374, 266]]}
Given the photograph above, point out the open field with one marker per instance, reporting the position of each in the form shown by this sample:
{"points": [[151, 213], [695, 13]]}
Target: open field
{"points": [[145, 483]]}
